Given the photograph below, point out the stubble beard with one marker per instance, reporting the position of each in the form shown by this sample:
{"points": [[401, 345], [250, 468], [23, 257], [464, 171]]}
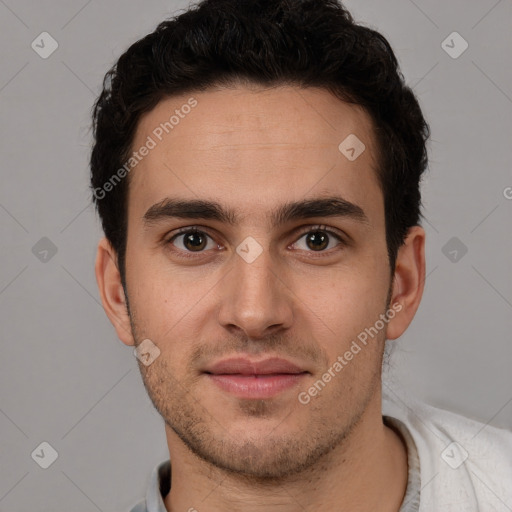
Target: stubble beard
{"points": [[272, 457]]}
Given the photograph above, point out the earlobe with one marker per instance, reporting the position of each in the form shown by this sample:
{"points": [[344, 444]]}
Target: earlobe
{"points": [[111, 291], [408, 281]]}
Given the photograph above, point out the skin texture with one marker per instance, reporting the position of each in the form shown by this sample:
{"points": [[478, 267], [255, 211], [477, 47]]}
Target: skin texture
{"points": [[251, 150]]}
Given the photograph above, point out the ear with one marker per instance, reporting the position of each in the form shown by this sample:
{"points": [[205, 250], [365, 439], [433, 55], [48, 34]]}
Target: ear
{"points": [[408, 281], [111, 291]]}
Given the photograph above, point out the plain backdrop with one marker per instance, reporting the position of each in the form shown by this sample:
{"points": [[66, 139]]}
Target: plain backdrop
{"points": [[66, 380]]}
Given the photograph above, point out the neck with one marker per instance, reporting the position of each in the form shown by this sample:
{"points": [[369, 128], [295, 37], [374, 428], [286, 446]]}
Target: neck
{"points": [[366, 472]]}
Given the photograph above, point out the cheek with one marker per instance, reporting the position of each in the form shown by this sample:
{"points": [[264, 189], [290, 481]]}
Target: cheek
{"points": [[341, 304], [159, 301], [172, 308]]}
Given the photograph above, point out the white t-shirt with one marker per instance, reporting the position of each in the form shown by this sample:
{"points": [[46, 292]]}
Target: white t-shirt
{"points": [[456, 464], [464, 465]]}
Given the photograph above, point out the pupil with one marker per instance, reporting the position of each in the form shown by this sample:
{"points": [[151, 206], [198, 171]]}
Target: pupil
{"points": [[195, 241], [318, 240]]}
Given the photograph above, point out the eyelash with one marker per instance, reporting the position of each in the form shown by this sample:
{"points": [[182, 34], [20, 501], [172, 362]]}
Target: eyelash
{"points": [[195, 229]]}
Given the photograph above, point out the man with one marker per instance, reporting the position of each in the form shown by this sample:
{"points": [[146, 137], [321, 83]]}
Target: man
{"points": [[256, 168]]}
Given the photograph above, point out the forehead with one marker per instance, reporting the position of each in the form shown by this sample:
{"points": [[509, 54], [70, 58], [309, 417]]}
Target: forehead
{"points": [[252, 147]]}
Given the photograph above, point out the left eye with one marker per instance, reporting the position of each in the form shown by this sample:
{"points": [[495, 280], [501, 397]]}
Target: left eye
{"points": [[318, 240], [193, 241]]}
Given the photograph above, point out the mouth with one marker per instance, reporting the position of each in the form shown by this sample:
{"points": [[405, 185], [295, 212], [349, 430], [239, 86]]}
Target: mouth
{"points": [[255, 380]]}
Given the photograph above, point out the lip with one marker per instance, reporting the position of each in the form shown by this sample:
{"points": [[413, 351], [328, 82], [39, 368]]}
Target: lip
{"points": [[244, 366], [255, 379]]}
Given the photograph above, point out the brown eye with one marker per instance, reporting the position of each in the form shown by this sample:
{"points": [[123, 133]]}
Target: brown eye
{"points": [[318, 240], [192, 240]]}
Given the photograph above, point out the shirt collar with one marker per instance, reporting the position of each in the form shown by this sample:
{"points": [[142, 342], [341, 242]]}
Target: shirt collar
{"points": [[159, 487]]}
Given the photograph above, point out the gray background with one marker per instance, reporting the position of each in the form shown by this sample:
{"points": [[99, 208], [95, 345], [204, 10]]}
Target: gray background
{"points": [[67, 380]]}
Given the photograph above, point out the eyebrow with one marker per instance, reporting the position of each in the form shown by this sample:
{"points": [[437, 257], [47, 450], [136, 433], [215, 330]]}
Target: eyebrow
{"points": [[210, 210]]}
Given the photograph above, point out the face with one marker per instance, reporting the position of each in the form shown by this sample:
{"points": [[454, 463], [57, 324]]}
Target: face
{"points": [[256, 255]]}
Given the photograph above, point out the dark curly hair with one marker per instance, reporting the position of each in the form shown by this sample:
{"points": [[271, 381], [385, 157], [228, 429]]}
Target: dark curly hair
{"points": [[307, 43]]}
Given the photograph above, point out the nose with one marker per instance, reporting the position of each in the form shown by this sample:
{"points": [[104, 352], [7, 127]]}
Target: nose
{"points": [[255, 298]]}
